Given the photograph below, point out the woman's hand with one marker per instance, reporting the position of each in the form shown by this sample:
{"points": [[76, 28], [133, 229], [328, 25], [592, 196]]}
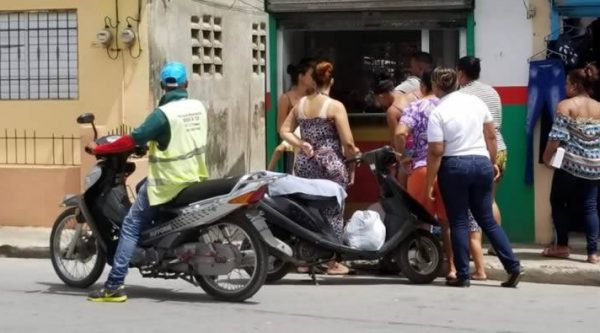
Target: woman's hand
{"points": [[429, 193], [352, 173], [496, 172], [307, 149]]}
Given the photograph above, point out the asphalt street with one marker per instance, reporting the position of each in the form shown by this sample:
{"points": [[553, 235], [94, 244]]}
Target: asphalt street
{"points": [[33, 299]]}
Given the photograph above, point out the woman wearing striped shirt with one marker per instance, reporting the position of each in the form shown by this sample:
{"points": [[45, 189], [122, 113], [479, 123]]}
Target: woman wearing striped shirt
{"points": [[576, 128], [468, 71]]}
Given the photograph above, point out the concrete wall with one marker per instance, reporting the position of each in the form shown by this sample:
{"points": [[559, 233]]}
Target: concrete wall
{"points": [[543, 176], [503, 41], [235, 100], [26, 205], [115, 90]]}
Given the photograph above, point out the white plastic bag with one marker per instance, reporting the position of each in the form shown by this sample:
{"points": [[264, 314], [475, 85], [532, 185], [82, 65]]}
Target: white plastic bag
{"points": [[365, 231]]}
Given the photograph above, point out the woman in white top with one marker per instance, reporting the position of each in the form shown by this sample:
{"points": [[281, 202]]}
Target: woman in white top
{"points": [[461, 152]]}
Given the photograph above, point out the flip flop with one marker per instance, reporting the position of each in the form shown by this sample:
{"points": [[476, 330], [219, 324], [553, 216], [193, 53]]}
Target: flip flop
{"points": [[478, 278], [552, 252]]}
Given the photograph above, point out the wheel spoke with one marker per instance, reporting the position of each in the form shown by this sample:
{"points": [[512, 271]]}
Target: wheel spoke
{"points": [[69, 237], [241, 276]]}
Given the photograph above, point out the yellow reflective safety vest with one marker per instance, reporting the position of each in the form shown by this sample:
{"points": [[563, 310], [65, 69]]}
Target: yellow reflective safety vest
{"points": [[182, 163]]}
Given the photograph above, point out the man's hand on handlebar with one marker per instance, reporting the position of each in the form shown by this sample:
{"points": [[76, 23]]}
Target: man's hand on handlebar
{"points": [[90, 148]]}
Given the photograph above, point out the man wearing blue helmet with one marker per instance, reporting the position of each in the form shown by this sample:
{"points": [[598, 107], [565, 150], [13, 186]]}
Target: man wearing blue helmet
{"points": [[176, 134]]}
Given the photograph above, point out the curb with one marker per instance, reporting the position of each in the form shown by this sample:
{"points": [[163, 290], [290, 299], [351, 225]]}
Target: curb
{"points": [[534, 273], [9, 251], [549, 275], [538, 273]]}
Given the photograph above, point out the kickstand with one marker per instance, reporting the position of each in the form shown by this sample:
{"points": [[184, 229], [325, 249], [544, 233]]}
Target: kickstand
{"points": [[313, 275]]}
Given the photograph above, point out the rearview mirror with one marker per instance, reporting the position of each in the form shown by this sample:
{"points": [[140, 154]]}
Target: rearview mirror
{"points": [[86, 118]]}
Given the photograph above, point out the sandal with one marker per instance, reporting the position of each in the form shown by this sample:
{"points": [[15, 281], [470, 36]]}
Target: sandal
{"points": [[554, 252], [478, 277], [593, 259], [336, 268], [451, 276], [302, 269]]}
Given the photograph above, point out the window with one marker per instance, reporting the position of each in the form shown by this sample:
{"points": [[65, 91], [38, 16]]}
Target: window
{"points": [[207, 45], [361, 58], [259, 48], [38, 55]]}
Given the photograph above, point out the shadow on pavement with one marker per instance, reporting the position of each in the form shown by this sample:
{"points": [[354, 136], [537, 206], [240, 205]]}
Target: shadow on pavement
{"points": [[135, 291], [324, 280]]}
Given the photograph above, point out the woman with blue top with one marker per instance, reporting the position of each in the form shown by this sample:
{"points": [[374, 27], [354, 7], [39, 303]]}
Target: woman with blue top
{"points": [[576, 129]]}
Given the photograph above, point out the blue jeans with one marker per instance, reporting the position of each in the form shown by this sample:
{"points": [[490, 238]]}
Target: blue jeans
{"points": [[545, 90], [572, 198], [466, 183], [139, 217]]}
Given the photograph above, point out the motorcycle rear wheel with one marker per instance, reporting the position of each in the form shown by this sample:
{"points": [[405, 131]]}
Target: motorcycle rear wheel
{"points": [[75, 271], [252, 244]]}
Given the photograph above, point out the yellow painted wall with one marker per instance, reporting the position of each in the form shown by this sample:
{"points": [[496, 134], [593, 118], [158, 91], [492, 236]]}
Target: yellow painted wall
{"points": [[542, 175], [116, 91]]}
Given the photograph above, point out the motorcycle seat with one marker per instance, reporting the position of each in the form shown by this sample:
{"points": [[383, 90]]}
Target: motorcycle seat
{"points": [[203, 190]]}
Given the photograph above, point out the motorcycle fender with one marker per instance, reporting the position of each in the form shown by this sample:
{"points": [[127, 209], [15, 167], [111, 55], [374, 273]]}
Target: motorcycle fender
{"points": [[70, 200], [280, 247]]}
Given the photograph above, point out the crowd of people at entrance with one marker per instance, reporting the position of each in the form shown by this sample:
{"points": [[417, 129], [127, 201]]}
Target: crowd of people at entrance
{"points": [[446, 125]]}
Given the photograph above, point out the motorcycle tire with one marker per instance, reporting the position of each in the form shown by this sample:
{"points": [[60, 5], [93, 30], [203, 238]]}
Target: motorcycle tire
{"points": [[94, 273], [434, 257], [259, 273], [279, 272]]}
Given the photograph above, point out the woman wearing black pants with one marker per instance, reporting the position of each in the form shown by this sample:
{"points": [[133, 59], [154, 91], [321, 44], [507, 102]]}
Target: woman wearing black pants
{"points": [[462, 146]]}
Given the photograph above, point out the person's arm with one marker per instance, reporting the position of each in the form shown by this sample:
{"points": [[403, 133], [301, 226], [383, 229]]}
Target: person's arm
{"points": [[283, 107], [558, 134], [489, 133], [279, 150], [489, 130], [402, 133], [340, 116], [349, 149], [435, 151], [392, 115], [403, 130], [153, 126], [287, 133]]}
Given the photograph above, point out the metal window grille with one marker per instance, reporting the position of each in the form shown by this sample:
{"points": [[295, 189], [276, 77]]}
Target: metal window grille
{"points": [[38, 55]]}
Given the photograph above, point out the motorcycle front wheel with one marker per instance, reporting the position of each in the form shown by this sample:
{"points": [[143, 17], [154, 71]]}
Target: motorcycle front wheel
{"points": [[243, 281], [420, 257], [76, 256]]}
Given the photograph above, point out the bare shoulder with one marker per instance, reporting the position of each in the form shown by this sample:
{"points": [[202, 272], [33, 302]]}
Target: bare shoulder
{"points": [[565, 106]]}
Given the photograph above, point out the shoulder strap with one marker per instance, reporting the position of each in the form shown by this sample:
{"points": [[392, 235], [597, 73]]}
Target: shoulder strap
{"points": [[324, 108], [300, 107], [291, 105]]}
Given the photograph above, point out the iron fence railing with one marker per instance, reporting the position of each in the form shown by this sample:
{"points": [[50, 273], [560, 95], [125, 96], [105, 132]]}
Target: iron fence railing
{"points": [[28, 148]]}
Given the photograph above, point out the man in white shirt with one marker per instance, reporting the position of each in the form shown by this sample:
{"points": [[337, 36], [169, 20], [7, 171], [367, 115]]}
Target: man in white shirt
{"points": [[468, 70], [419, 62]]}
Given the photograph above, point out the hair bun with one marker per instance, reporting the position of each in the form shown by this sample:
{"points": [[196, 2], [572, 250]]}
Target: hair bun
{"points": [[591, 72], [291, 69], [323, 73]]}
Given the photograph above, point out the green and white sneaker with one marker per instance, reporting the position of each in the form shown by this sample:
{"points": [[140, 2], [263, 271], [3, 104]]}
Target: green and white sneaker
{"points": [[108, 295]]}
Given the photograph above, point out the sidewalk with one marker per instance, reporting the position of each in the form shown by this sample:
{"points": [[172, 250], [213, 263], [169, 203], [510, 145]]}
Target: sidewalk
{"points": [[24, 242], [34, 243]]}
